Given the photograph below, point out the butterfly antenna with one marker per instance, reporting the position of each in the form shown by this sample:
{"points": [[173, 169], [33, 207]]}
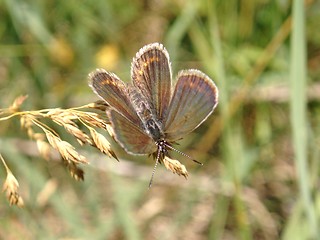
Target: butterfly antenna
{"points": [[154, 168], [183, 154]]}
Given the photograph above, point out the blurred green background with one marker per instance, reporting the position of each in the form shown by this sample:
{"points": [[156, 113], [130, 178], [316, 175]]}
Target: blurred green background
{"points": [[260, 148]]}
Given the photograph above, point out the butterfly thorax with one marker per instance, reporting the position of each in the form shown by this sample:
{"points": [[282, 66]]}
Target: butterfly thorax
{"points": [[143, 109]]}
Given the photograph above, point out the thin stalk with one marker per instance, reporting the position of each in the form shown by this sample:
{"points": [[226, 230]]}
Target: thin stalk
{"points": [[298, 105]]}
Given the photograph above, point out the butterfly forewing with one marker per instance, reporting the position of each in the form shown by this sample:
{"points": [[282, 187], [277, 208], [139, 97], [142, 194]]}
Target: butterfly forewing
{"points": [[194, 99], [112, 90], [151, 74], [131, 137]]}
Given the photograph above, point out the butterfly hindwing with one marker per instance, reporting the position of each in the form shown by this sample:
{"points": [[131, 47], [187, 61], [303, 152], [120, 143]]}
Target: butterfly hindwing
{"points": [[130, 136]]}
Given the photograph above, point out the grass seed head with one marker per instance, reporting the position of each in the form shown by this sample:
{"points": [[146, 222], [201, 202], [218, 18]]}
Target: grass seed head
{"points": [[175, 166], [102, 143]]}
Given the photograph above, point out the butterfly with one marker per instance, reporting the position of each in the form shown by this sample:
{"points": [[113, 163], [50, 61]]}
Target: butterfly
{"points": [[148, 115]]}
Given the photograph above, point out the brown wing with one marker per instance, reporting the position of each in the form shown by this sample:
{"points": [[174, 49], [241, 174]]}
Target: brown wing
{"points": [[132, 138], [112, 90], [151, 74], [194, 99]]}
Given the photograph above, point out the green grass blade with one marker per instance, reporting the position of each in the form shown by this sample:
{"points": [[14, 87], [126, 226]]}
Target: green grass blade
{"points": [[298, 104]]}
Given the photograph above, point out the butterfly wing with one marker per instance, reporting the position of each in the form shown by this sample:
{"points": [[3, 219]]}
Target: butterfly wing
{"points": [[151, 74], [130, 136], [194, 99], [112, 90]]}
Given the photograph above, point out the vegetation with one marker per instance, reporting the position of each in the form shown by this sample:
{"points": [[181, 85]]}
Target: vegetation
{"points": [[260, 148]]}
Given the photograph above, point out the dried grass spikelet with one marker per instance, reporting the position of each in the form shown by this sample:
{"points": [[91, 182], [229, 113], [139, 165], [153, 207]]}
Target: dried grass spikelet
{"points": [[76, 172], [92, 119], [65, 118], [175, 166], [26, 121], [15, 106], [81, 137], [110, 130], [99, 105], [96, 120], [102, 143], [44, 149], [66, 150], [11, 186]]}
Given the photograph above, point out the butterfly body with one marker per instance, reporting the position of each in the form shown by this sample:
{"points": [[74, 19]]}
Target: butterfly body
{"points": [[146, 114]]}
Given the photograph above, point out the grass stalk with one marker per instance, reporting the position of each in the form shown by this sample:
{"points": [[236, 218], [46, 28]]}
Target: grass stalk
{"points": [[298, 105]]}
